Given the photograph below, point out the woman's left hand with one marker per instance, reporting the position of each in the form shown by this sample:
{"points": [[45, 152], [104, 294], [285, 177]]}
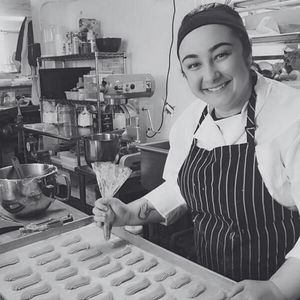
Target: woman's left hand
{"points": [[255, 290]]}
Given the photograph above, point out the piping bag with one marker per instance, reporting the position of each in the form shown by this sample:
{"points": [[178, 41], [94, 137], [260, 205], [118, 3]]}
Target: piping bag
{"points": [[110, 177]]}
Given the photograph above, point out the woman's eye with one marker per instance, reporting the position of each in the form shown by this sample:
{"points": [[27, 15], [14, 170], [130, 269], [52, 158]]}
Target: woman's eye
{"points": [[192, 66], [222, 55]]}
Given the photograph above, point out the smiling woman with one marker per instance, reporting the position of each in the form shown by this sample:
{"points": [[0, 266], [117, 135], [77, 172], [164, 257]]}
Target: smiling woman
{"points": [[233, 162]]}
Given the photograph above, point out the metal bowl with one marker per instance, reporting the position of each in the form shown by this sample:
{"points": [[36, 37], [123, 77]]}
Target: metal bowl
{"points": [[33, 194], [102, 147], [108, 44]]}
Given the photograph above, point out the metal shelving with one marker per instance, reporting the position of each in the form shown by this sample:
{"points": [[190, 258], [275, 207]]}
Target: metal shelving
{"points": [[89, 56], [254, 5], [255, 9]]}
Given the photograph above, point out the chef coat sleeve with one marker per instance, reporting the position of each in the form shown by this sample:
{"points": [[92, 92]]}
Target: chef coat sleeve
{"points": [[292, 164], [167, 198], [168, 201]]}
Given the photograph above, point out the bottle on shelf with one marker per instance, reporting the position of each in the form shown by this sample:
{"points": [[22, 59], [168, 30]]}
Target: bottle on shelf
{"points": [[91, 39], [76, 43], [69, 43], [80, 84]]}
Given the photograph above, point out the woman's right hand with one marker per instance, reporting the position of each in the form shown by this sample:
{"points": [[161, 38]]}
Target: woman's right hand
{"points": [[109, 212]]}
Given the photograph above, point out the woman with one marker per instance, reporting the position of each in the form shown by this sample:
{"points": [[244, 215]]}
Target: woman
{"points": [[233, 163]]}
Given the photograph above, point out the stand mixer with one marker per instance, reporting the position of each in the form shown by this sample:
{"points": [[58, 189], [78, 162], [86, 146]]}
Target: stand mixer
{"points": [[113, 93], [117, 90]]}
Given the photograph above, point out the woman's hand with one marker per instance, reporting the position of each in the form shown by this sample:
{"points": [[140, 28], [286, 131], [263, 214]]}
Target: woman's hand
{"points": [[109, 212], [255, 290], [113, 212]]}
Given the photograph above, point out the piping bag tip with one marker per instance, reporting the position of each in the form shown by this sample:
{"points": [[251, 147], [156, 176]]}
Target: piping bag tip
{"points": [[106, 232], [107, 226]]}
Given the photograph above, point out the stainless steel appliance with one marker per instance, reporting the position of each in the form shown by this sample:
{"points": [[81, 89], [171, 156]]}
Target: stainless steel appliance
{"points": [[114, 92], [117, 89]]}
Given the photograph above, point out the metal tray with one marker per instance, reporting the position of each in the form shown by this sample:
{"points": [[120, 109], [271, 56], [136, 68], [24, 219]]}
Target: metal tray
{"points": [[213, 282]]}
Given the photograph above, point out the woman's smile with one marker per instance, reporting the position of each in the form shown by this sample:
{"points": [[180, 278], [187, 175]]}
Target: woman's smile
{"points": [[217, 88]]}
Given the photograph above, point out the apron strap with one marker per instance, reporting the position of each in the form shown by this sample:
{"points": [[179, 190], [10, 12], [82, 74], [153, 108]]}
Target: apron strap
{"points": [[250, 126]]}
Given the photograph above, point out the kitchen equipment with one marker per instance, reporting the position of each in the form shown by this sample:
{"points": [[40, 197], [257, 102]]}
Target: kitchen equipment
{"points": [[18, 168], [45, 225], [102, 147], [108, 44], [33, 194], [117, 89]]}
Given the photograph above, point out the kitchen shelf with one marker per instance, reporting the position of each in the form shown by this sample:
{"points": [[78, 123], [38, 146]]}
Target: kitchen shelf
{"points": [[89, 56], [253, 5], [71, 101], [287, 38], [283, 12], [15, 87]]}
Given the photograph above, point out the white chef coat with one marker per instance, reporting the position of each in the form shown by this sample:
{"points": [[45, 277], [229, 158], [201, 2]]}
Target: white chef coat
{"points": [[277, 138]]}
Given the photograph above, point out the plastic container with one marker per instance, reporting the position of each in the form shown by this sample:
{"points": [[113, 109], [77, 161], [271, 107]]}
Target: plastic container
{"points": [[72, 95], [66, 114]]}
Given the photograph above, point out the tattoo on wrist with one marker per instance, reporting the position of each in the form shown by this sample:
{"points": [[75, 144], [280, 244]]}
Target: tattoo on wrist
{"points": [[144, 210]]}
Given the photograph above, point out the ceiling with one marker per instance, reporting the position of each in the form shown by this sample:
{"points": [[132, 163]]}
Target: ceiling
{"points": [[15, 8]]}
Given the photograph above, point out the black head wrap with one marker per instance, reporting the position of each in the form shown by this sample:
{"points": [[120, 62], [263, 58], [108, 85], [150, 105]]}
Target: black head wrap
{"points": [[212, 14]]}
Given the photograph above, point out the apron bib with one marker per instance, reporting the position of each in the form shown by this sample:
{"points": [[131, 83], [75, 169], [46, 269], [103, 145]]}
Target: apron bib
{"points": [[240, 231]]}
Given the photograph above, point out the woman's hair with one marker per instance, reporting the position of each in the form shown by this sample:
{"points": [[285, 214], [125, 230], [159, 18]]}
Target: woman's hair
{"points": [[216, 13]]}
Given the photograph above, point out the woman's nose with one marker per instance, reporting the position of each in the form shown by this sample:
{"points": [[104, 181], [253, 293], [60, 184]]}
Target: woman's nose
{"points": [[211, 73]]}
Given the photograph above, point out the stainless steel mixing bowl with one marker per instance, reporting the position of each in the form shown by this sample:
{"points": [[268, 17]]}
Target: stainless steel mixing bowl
{"points": [[102, 147], [33, 194]]}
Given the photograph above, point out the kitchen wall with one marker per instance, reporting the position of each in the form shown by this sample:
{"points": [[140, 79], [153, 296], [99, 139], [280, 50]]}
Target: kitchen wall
{"points": [[146, 29]]}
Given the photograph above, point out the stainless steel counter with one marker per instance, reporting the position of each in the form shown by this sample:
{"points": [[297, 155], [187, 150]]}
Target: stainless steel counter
{"points": [[63, 132], [57, 209]]}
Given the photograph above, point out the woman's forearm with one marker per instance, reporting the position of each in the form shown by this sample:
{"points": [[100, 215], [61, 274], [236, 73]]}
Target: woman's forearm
{"points": [[142, 212]]}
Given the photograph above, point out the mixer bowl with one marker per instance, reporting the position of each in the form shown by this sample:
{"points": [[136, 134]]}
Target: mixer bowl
{"points": [[33, 194], [102, 147]]}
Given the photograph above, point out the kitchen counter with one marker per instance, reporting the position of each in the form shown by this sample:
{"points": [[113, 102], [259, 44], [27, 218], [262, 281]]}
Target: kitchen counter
{"points": [[64, 132], [14, 109], [57, 209]]}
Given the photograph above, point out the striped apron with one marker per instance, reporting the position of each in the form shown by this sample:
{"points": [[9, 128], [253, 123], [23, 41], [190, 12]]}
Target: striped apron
{"points": [[240, 231]]}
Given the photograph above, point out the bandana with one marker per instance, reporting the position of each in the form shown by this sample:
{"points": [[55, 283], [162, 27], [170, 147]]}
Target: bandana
{"points": [[216, 15]]}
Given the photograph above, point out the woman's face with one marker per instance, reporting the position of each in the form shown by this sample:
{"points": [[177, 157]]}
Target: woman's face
{"points": [[212, 60]]}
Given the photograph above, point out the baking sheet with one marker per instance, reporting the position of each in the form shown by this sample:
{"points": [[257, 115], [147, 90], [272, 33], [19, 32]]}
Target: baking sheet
{"points": [[93, 236]]}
